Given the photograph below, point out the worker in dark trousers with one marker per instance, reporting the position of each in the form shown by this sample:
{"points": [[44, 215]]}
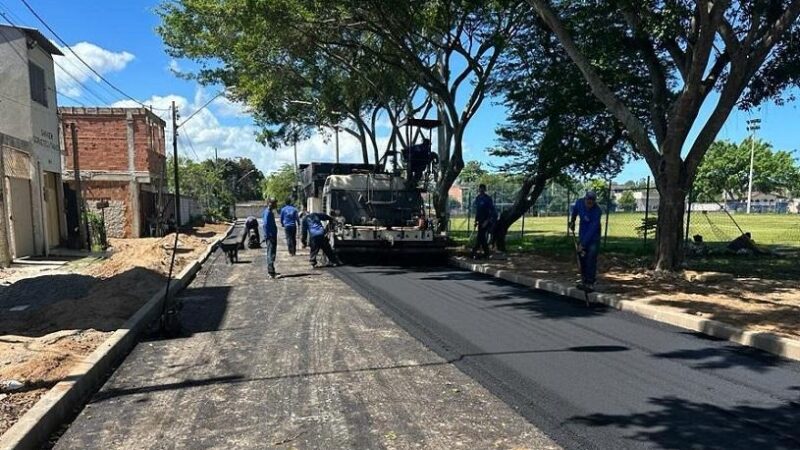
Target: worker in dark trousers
{"points": [[289, 223], [318, 240], [251, 225], [271, 236], [303, 228], [588, 237], [485, 218]]}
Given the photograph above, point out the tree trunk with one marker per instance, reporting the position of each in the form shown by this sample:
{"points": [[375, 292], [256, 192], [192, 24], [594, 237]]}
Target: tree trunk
{"points": [[441, 195], [526, 196], [669, 231]]}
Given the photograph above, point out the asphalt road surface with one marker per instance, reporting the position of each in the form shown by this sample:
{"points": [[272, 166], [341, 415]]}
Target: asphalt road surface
{"points": [[299, 362], [592, 377]]}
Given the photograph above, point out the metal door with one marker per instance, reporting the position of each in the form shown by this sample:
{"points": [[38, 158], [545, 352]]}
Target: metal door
{"points": [[21, 216], [51, 205]]}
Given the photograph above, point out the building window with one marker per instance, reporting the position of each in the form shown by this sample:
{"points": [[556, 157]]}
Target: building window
{"points": [[38, 87]]}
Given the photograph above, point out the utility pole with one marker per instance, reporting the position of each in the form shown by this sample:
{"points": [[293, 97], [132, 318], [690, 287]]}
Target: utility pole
{"points": [[296, 171], [76, 168], [753, 125], [337, 143], [175, 167], [5, 253]]}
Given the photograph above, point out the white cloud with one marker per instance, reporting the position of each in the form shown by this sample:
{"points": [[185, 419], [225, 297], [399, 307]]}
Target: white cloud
{"points": [[227, 108], [102, 60], [206, 132], [174, 67]]}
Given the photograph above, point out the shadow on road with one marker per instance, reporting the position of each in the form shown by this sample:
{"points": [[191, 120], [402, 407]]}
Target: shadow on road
{"points": [[726, 357], [681, 423]]}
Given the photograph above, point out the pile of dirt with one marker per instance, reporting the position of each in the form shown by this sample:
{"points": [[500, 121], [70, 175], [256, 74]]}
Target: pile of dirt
{"points": [[39, 346]]}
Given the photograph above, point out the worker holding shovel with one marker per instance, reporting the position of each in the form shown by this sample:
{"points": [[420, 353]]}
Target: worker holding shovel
{"points": [[588, 242]]}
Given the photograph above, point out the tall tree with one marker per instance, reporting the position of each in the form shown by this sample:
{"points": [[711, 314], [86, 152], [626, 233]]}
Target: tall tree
{"points": [[279, 184], [744, 50], [329, 54], [725, 171], [554, 124], [241, 175], [265, 57]]}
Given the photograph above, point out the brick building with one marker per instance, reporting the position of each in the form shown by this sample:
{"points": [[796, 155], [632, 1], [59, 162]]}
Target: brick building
{"points": [[121, 159]]}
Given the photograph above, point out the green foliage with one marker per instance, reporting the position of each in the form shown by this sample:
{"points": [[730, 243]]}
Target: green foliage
{"points": [[244, 173], [97, 229], [627, 202], [204, 181], [648, 225], [279, 185], [472, 172], [726, 168], [281, 58], [600, 187]]}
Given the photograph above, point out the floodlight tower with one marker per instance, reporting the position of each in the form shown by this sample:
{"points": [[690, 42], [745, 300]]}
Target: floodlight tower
{"points": [[753, 125]]}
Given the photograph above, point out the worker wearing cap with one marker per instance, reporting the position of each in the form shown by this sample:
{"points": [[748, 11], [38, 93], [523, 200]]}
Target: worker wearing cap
{"points": [[271, 235], [588, 236]]}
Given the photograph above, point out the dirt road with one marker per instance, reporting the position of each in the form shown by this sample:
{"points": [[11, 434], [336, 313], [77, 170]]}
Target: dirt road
{"points": [[50, 320]]}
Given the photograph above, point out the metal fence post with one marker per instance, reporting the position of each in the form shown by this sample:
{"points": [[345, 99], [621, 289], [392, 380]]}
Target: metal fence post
{"points": [[608, 213], [569, 203], [469, 209], [646, 211], [688, 214]]}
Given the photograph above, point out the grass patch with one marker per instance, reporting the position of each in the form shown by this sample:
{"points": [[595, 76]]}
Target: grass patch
{"points": [[547, 236]]}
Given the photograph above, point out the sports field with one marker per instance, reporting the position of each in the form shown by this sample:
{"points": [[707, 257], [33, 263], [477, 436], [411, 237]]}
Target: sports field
{"points": [[715, 227]]}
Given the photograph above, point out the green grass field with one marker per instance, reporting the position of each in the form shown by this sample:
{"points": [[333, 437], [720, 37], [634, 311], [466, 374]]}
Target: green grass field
{"points": [[547, 236], [715, 227]]}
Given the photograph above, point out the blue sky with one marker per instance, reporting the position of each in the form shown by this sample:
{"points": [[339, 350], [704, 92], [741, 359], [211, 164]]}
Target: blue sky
{"points": [[118, 39]]}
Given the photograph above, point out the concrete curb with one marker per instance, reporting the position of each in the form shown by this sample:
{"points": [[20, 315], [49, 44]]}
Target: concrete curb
{"points": [[61, 401], [778, 345]]}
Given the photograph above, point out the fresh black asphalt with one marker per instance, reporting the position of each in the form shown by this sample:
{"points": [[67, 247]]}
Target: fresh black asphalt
{"points": [[592, 377]]}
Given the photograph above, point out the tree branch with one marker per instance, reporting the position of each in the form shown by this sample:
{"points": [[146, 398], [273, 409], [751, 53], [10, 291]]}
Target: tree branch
{"points": [[635, 127]]}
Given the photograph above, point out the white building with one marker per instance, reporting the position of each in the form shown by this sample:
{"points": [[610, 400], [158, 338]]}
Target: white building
{"points": [[643, 203], [31, 156]]}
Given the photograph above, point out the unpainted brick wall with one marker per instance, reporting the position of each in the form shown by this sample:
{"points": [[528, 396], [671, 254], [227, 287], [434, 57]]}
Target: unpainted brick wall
{"points": [[103, 142], [119, 216]]}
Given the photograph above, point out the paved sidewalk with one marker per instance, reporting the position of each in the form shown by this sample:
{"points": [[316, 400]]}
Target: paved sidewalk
{"points": [[297, 362]]}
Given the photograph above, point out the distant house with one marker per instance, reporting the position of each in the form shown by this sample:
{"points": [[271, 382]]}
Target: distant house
{"points": [[456, 193], [794, 206], [761, 203], [29, 143], [642, 203]]}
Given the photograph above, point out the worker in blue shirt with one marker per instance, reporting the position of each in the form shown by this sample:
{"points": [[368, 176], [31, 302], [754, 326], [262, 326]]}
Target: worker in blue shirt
{"points": [[485, 218], [270, 235], [318, 240], [289, 221], [588, 236]]}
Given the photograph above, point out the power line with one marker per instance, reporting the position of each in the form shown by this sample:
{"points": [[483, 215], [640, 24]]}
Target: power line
{"points": [[5, 36], [201, 108], [85, 87], [70, 98], [64, 43], [63, 69], [191, 145]]}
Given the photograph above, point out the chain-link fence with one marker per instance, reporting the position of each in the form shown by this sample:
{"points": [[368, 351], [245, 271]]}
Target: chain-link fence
{"points": [[630, 217]]}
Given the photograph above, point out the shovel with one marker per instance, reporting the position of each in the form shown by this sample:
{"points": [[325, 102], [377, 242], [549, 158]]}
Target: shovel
{"points": [[580, 269]]}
